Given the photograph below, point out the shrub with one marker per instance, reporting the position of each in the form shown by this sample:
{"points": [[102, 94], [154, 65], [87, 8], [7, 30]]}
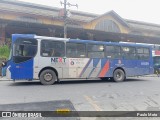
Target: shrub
{"points": [[4, 51]]}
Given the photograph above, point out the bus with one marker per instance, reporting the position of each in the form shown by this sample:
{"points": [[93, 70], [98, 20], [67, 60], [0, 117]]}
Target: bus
{"points": [[50, 59]]}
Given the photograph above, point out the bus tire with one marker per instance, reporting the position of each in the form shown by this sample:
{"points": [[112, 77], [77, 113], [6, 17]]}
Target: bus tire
{"points": [[48, 77], [119, 75]]}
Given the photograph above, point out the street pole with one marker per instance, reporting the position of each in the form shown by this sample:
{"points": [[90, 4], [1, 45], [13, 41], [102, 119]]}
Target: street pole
{"points": [[65, 21], [65, 15]]}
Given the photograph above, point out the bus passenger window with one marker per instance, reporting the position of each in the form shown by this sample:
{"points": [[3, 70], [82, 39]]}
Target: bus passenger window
{"points": [[113, 51], [52, 48], [143, 53], [95, 51], [128, 52], [76, 50]]}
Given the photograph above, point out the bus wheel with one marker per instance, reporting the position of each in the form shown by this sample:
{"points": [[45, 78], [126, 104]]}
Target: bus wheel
{"points": [[118, 75], [48, 77]]}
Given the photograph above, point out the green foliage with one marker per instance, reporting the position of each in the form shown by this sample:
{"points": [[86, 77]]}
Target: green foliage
{"points": [[4, 51]]}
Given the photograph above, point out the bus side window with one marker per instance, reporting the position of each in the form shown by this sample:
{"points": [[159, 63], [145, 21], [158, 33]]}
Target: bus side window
{"points": [[112, 51], [143, 53], [128, 52], [75, 50], [52, 48], [95, 51]]}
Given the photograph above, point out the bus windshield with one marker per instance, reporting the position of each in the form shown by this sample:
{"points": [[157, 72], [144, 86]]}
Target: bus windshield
{"points": [[10, 55], [24, 49]]}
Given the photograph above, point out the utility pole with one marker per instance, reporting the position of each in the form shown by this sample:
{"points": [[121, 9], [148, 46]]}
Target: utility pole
{"points": [[65, 3]]}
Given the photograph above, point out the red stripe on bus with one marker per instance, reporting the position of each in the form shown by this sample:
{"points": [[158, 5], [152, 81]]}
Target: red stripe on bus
{"points": [[104, 69]]}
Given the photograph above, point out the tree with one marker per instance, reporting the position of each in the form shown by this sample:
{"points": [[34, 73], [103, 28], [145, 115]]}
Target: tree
{"points": [[4, 51]]}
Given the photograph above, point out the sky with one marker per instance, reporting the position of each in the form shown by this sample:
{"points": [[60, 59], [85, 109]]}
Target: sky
{"points": [[139, 10]]}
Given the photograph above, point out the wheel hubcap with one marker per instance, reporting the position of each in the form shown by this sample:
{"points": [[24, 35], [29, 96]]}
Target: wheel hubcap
{"points": [[48, 77], [118, 75]]}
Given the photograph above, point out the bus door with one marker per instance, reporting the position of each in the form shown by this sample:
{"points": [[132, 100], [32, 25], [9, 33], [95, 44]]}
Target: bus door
{"points": [[114, 58], [129, 60], [143, 64], [97, 61], [84, 63], [76, 53]]}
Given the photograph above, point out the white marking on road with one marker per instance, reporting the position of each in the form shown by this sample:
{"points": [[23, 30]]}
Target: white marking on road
{"points": [[92, 102]]}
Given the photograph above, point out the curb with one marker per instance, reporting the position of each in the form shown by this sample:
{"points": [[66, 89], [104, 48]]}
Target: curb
{"points": [[148, 76]]}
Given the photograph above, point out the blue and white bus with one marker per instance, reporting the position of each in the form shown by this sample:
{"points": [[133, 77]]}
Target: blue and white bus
{"points": [[51, 59]]}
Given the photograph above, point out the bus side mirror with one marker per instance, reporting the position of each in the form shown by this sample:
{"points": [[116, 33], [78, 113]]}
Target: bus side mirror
{"points": [[4, 64]]}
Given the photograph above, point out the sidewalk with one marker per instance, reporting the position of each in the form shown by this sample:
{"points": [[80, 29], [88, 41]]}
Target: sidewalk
{"points": [[153, 75], [3, 79]]}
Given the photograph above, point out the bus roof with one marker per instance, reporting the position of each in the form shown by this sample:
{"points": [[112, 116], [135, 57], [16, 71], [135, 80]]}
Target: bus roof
{"points": [[51, 38], [107, 43], [77, 40], [33, 36]]}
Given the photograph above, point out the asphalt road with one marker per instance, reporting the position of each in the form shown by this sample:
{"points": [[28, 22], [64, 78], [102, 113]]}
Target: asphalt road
{"points": [[135, 94]]}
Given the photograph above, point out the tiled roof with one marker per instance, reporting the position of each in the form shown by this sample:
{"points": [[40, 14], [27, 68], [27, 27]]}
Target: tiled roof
{"points": [[143, 25], [53, 12], [42, 10]]}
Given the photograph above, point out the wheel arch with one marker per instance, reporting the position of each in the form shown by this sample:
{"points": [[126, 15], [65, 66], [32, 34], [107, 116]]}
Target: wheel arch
{"points": [[45, 68]]}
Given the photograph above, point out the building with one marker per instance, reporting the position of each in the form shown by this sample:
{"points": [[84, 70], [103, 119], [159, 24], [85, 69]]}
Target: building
{"points": [[23, 17]]}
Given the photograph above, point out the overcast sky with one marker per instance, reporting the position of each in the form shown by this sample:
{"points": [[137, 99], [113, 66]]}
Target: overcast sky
{"points": [[140, 10]]}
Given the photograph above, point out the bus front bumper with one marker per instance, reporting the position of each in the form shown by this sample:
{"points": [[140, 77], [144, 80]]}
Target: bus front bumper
{"points": [[8, 73]]}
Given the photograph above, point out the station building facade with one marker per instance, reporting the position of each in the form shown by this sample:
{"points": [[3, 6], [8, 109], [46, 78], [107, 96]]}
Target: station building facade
{"points": [[27, 18]]}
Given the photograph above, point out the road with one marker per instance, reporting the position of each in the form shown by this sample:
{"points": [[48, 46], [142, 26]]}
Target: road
{"points": [[134, 94]]}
